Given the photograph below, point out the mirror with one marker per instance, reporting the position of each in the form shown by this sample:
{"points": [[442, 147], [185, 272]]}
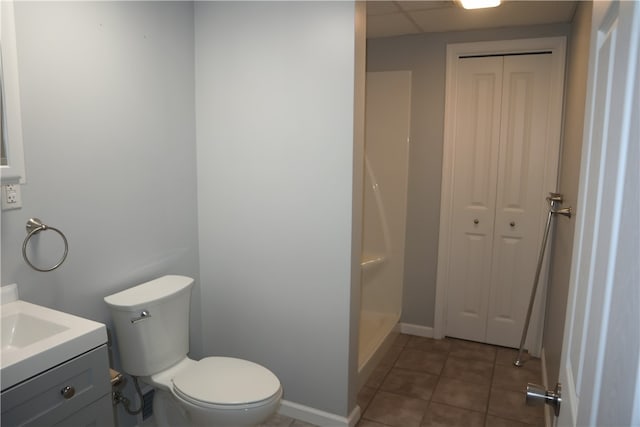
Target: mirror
{"points": [[11, 149]]}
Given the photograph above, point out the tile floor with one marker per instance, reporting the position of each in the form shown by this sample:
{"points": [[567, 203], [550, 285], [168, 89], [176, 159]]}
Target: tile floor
{"points": [[425, 382], [278, 420]]}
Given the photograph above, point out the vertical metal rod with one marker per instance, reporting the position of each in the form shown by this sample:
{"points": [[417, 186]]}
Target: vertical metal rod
{"points": [[519, 362]]}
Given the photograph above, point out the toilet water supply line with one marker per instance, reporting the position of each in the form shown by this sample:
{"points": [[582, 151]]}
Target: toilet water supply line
{"points": [[555, 200], [118, 381], [118, 397]]}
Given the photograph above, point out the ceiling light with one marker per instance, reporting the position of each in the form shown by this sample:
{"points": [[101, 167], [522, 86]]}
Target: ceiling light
{"points": [[479, 4]]}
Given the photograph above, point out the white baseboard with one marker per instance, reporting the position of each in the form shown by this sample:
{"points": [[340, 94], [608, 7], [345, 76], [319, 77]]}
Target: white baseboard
{"points": [[418, 330], [318, 417]]}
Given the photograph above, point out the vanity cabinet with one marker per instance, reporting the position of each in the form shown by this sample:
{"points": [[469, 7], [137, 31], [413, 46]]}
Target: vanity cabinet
{"points": [[75, 393]]}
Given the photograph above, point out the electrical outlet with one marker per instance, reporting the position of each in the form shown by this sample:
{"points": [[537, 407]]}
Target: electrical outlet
{"points": [[11, 197]]}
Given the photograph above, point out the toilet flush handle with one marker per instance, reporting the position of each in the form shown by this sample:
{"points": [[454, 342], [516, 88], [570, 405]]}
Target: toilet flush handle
{"points": [[144, 314]]}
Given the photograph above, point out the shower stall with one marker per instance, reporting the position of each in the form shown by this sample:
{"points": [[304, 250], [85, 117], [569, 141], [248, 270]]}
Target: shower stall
{"points": [[388, 106]]}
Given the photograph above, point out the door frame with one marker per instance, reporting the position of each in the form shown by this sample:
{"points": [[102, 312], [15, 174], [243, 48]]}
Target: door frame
{"points": [[556, 45]]}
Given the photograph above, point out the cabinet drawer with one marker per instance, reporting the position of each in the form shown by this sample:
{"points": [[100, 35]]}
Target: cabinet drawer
{"points": [[98, 414], [40, 401]]}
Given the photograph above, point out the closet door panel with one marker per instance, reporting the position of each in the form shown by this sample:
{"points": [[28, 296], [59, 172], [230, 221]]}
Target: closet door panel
{"points": [[520, 195], [477, 133]]}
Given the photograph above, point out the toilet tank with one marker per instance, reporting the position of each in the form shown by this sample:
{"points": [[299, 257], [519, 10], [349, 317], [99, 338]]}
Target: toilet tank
{"points": [[152, 324]]}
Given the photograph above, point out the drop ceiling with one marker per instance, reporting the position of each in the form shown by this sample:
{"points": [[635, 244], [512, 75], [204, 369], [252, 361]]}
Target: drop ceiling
{"points": [[394, 18]]}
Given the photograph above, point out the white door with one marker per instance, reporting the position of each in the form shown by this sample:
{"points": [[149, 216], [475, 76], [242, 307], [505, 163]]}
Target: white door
{"points": [[500, 184], [600, 366], [521, 208], [479, 97]]}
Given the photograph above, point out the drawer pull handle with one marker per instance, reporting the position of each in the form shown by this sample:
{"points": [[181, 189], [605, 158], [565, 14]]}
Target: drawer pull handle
{"points": [[68, 392], [512, 224], [476, 222]]}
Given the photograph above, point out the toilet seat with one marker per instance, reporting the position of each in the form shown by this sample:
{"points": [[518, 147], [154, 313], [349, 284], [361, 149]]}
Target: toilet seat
{"points": [[226, 383]]}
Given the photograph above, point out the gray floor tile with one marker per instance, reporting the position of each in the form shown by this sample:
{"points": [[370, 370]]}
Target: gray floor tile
{"points": [[429, 344], [510, 377], [472, 350], [410, 383], [439, 415], [506, 356], [462, 394], [390, 358], [469, 370], [367, 423], [511, 405], [431, 362], [450, 382], [395, 410], [298, 423], [364, 397], [493, 421], [277, 420], [378, 375], [401, 340]]}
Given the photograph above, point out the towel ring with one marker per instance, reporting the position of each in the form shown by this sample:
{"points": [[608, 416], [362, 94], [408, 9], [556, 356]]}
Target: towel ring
{"points": [[34, 226]]}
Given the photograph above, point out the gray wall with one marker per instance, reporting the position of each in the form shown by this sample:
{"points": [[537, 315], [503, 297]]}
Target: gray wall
{"points": [[562, 243], [107, 93], [275, 141], [424, 55], [109, 116]]}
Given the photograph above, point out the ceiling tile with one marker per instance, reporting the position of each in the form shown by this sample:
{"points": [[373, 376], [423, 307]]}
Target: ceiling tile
{"points": [[389, 25], [382, 7], [513, 13], [425, 4]]}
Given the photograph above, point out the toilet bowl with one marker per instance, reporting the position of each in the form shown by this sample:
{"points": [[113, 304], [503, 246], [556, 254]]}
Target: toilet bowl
{"points": [[221, 391], [151, 322]]}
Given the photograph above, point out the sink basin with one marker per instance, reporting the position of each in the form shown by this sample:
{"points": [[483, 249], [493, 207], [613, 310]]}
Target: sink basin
{"points": [[36, 338], [20, 330]]}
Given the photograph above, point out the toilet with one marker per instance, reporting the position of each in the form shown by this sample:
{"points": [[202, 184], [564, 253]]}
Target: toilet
{"points": [[152, 327]]}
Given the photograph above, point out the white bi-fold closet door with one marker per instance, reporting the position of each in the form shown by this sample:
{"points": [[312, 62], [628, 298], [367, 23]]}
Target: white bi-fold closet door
{"points": [[500, 162]]}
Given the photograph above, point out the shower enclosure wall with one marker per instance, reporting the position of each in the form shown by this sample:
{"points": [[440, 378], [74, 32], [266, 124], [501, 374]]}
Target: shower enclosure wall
{"points": [[388, 103]]}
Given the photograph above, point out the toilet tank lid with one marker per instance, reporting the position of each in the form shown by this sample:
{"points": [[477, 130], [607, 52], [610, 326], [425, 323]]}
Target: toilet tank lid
{"points": [[149, 292]]}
